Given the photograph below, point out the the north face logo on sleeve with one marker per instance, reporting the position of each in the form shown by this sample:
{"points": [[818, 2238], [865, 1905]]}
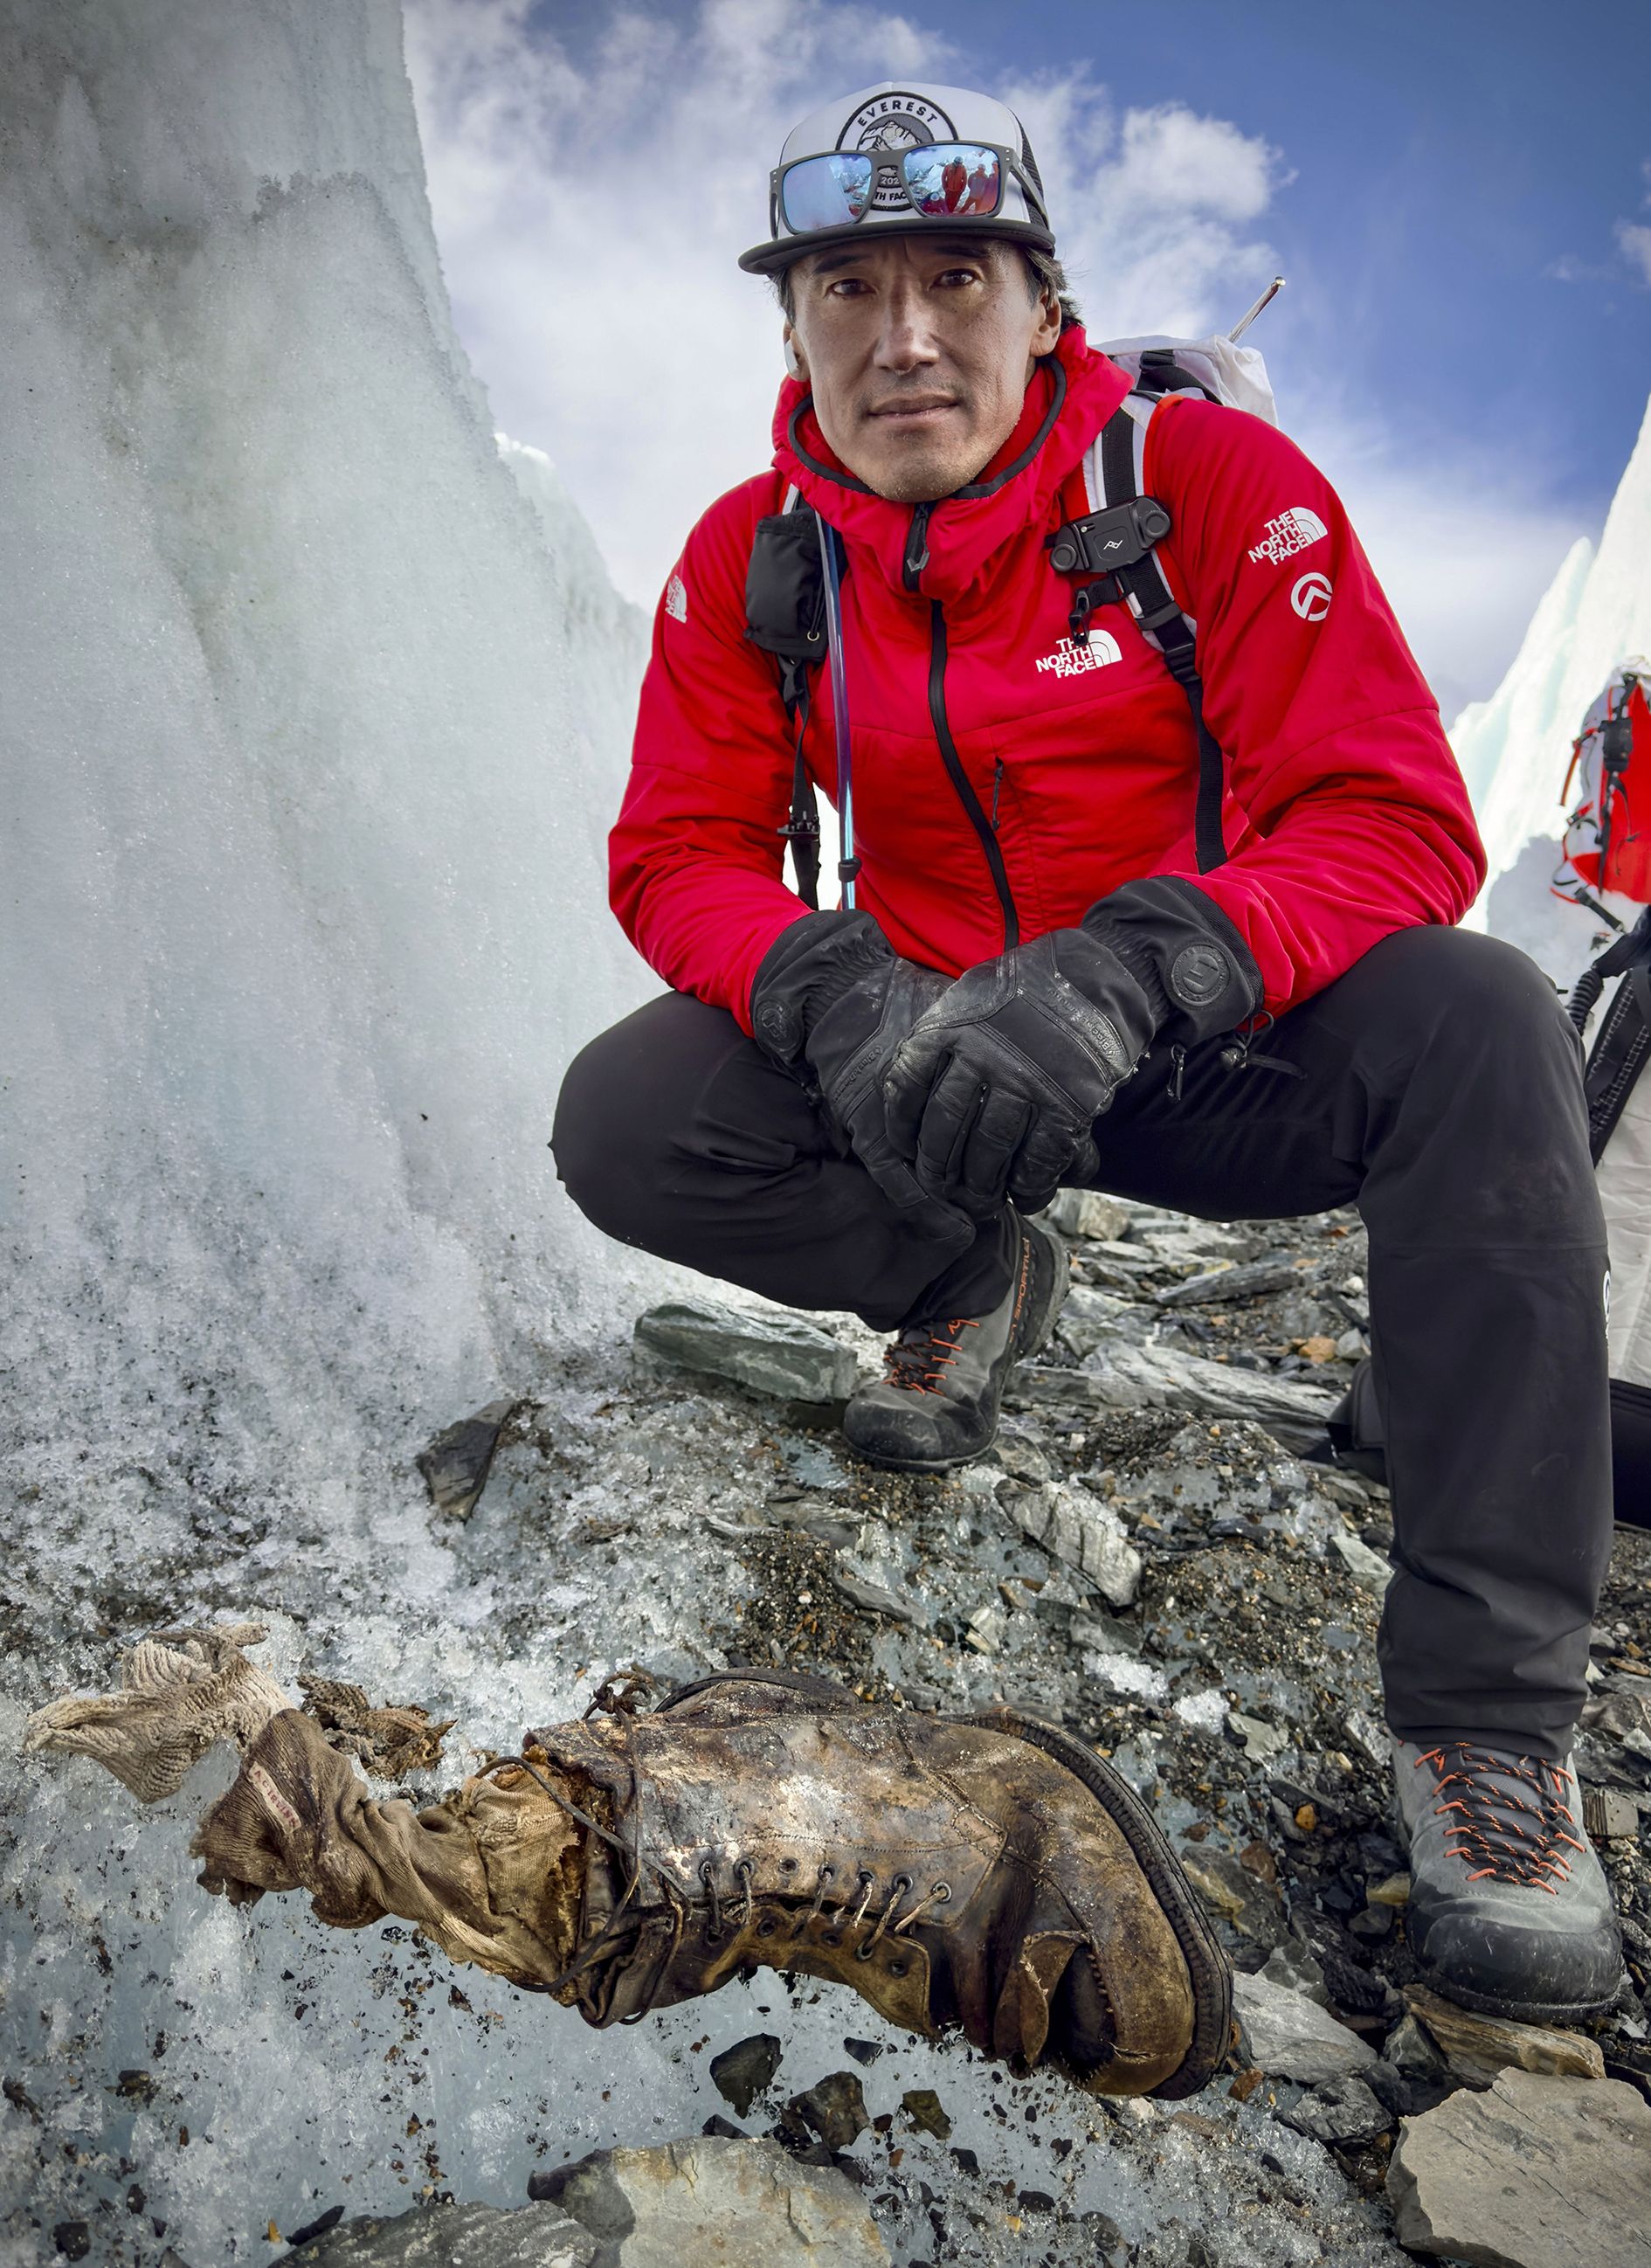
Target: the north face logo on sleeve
{"points": [[1293, 531], [677, 599]]}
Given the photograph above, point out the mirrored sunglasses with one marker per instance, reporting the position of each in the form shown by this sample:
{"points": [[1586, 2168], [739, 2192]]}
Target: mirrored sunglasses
{"points": [[940, 181]]}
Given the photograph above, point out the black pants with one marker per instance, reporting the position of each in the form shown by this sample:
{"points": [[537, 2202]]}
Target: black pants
{"points": [[1439, 1092]]}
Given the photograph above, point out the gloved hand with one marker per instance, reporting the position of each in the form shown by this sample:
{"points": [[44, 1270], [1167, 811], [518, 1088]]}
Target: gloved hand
{"points": [[993, 1095], [831, 1001]]}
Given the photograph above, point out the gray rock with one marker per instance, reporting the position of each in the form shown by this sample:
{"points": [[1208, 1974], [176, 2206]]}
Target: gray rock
{"points": [[1087, 1213], [1538, 2173], [1366, 1567], [1625, 1717], [1477, 2047], [1163, 1377], [1341, 2110], [1373, 1740], [456, 1464], [456, 2236], [872, 1598], [834, 2107], [1075, 1526], [741, 2073], [1412, 2053], [1092, 1319], [1228, 1887], [1609, 1815], [1016, 1452], [772, 1352], [713, 2202], [1261, 1741], [1292, 1966], [1290, 2037], [1224, 1284]]}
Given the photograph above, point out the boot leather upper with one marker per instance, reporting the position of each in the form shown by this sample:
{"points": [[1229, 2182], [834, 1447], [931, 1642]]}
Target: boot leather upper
{"points": [[804, 1822]]}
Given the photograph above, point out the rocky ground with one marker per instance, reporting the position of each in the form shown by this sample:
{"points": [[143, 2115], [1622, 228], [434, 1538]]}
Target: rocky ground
{"points": [[1156, 1555]]}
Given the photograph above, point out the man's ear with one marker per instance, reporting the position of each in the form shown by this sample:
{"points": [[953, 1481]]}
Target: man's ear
{"points": [[794, 361], [1047, 337]]}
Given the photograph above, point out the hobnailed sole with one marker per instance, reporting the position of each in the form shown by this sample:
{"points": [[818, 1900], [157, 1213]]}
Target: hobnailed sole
{"points": [[1207, 1966]]}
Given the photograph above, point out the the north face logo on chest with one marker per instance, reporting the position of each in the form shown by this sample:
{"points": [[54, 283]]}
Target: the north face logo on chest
{"points": [[1071, 660]]}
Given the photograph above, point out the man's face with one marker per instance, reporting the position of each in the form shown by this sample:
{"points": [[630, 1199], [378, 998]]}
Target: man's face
{"points": [[918, 348]]}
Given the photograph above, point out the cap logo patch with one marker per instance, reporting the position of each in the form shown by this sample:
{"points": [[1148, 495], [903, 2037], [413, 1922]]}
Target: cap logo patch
{"points": [[1293, 531], [897, 122], [677, 599]]}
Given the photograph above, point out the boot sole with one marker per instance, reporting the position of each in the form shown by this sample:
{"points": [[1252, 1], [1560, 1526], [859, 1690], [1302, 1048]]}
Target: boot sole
{"points": [[1207, 1966], [1519, 2012]]}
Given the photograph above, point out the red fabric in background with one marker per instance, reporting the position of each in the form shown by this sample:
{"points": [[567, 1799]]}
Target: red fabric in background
{"points": [[1628, 853], [1346, 816]]}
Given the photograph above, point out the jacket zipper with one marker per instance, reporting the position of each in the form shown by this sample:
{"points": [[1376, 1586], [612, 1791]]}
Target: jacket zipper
{"points": [[916, 556], [952, 762]]}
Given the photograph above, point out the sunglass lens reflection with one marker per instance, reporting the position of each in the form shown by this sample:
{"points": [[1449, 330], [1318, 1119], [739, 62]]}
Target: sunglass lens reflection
{"points": [[825, 192]]}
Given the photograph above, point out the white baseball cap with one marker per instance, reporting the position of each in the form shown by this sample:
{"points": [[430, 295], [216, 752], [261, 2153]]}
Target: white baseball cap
{"points": [[896, 158]]}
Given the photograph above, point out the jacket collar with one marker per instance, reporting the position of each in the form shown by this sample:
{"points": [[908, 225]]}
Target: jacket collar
{"points": [[1072, 393]]}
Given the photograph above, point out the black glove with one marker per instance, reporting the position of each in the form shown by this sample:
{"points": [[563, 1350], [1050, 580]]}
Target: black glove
{"points": [[830, 1001], [994, 1093]]}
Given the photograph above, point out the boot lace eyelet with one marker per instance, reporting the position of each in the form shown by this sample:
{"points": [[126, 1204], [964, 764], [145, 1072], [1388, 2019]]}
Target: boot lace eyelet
{"points": [[766, 1926], [898, 1968]]}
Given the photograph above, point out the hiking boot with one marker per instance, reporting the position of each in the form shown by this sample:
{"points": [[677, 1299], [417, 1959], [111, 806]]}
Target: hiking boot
{"points": [[986, 1872], [938, 1402], [1510, 1910]]}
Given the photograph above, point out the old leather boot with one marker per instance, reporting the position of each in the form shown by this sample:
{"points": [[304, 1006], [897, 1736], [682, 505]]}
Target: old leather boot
{"points": [[987, 1873], [938, 1402], [1509, 1912]]}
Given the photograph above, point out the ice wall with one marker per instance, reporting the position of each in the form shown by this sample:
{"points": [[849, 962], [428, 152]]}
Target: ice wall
{"points": [[315, 719], [1514, 748]]}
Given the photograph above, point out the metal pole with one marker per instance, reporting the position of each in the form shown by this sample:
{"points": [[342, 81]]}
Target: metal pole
{"points": [[848, 864]]}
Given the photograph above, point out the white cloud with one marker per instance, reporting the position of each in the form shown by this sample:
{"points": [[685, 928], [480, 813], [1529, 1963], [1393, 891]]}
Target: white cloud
{"points": [[589, 209], [1633, 240], [589, 212], [1463, 546]]}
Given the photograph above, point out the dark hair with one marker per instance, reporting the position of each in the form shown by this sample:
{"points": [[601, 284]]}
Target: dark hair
{"points": [[1045, 277]]}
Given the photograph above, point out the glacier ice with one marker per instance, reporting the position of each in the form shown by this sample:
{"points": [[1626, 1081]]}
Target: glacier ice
{"points": [[1514, 748]]}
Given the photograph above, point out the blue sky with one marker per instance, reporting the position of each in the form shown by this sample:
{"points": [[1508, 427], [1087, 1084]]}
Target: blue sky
{"points": [[1458, 194]]}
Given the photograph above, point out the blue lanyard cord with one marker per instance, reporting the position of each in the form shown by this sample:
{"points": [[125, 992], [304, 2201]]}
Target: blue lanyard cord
{"points": [[848, 864]]}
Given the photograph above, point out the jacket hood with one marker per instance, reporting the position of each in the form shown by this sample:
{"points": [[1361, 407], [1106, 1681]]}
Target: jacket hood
{"points": [[1072, 395]]}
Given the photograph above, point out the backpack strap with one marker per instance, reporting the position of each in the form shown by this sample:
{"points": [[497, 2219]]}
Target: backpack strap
{"points": [[785, 613], [1619, 1055], [1118, 539]]}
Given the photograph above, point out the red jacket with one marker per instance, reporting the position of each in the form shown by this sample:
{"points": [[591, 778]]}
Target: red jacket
{"points": [[1346, 816]]}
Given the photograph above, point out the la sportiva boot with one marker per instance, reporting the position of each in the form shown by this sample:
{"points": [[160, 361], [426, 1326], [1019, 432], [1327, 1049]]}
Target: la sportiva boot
{"points": [[939, 1400], [982, 1872], [1509, 1911]]}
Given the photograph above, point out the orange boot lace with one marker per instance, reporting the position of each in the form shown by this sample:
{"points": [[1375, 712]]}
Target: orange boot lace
{"points": [[1509, 1818], [918, 1360]]}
